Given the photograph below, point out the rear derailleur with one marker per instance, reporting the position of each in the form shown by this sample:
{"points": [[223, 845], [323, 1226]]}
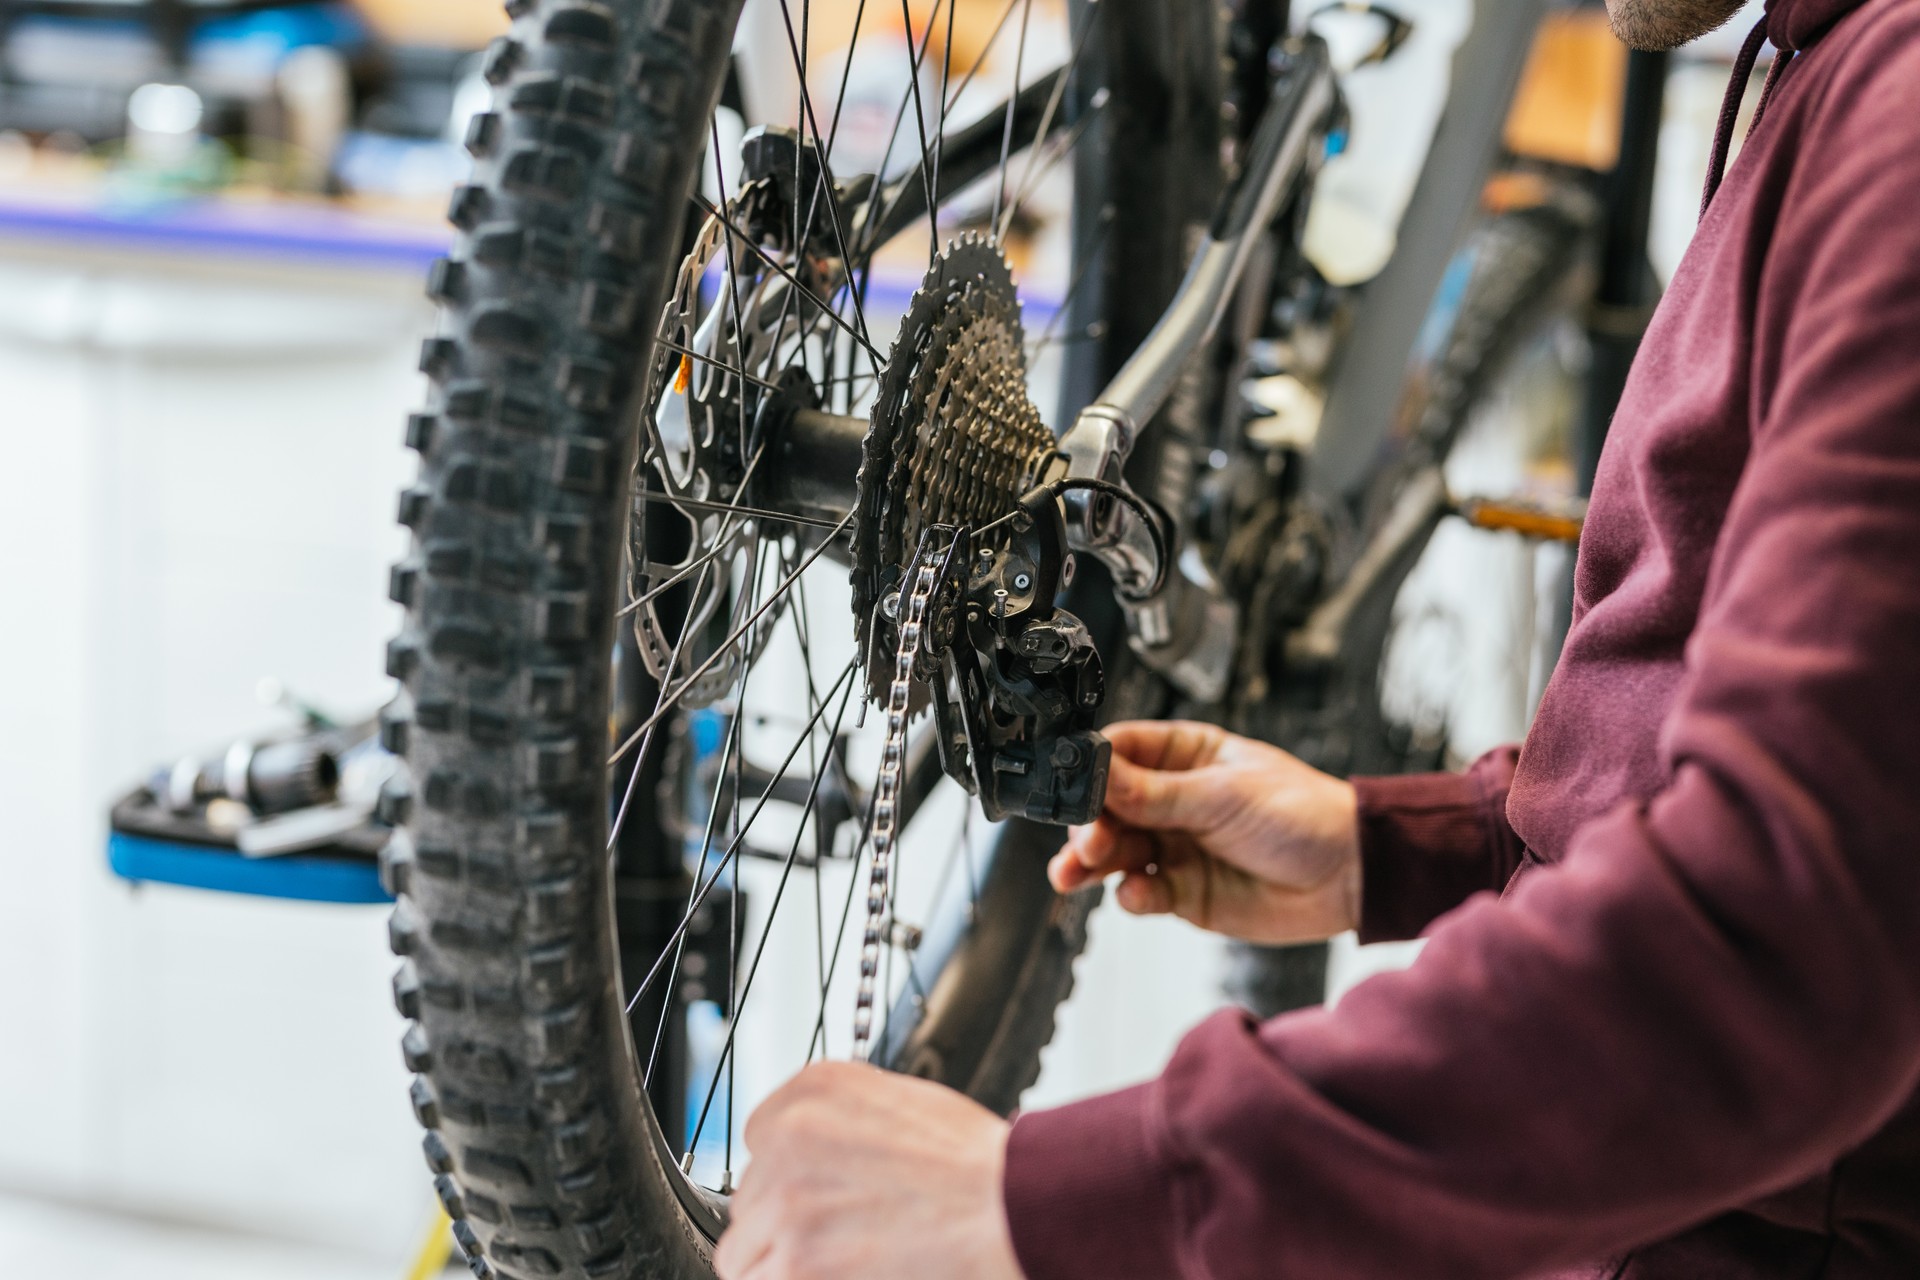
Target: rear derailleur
{"points": [[1015, 680]]}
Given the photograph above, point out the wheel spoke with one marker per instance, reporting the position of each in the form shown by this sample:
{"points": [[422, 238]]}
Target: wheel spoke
{"points": [[736, 509], [1086, 259], [706, 206], [1053, 105], [920, 116], [725, 645], [1031, 183], [940, 128], [640, 759], [753, 967], [679, 576], [733, 846], [846, 74], [866, 229], [733, 899], [1006, 132], [721, 365], [819, 1037], [946, 107], [714, 809], [822, 835], [826, 168]]}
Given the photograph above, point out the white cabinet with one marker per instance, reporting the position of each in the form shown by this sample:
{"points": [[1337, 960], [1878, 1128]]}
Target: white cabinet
{"points": [[199, 457]]}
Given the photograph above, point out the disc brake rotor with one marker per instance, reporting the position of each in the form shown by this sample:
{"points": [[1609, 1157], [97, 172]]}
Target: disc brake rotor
{"points": [[697, 447]]}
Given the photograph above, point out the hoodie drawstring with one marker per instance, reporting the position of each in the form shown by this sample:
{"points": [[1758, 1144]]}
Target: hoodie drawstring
{"points": [[1730, 105]]}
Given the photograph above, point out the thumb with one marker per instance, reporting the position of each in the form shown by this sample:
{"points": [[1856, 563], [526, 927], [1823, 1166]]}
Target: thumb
{"points": [[1188, 800]]}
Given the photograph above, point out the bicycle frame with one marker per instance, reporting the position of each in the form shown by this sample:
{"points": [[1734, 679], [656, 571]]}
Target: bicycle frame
{"points": [[1285, 152]]}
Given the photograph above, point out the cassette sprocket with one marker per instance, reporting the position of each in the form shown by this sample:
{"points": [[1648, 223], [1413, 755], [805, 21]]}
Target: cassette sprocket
{"points": [[953, 436]]}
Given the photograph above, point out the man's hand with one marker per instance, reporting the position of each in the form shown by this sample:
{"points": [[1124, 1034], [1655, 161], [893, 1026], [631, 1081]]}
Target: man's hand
{"points": [[860, 1174], [1227, 833]]}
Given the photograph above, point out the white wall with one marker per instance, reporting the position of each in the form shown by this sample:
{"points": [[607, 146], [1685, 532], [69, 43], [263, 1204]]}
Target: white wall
{"points": [[198, 466]]}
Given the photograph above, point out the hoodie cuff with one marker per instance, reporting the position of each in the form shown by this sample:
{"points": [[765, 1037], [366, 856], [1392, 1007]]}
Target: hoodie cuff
{"points": [[1429, 841], [1088, 1197]]}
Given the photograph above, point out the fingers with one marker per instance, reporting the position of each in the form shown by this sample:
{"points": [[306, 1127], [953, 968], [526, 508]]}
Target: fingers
{"points": [[1141, 894], [787, 1122], [1066, 873], [1166, 744], [1095, 852], [1089, 854], [813, 1082], [1180, 884], [748, 1238], [1156, 782], [1158, 799], [1160, 874]]}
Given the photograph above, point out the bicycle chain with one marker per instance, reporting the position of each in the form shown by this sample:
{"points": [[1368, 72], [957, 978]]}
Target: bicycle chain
{"points": [[912, 627]]}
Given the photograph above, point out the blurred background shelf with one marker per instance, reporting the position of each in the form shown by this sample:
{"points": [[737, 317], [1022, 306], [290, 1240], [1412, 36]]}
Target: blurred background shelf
{"points": [[353, 233]]}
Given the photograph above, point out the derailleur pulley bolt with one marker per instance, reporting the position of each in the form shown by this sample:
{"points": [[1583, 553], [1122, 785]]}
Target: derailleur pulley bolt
{"points": [[1021, 581], [890, 605]]}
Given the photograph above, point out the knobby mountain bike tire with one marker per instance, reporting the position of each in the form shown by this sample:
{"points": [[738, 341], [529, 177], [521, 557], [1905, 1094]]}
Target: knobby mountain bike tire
{"points": [[541, 1139]]}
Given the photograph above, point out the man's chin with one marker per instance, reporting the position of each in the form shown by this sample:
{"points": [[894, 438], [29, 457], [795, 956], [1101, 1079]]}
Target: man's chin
{"points": [[1658, 25]]}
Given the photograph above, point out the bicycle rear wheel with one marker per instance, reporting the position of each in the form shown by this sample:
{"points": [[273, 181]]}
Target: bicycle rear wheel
{"points": [[581, 826]]}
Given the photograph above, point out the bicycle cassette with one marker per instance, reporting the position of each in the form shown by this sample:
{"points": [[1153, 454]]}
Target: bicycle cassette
{"points": [[953, 437]]}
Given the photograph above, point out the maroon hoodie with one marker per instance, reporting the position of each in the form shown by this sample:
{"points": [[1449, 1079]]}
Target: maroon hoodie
{"points": [[1684, 1043]]}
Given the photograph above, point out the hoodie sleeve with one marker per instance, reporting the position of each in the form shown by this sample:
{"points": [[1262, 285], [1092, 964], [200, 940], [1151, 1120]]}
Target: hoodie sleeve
{"points": [[1428, 841], [1713, 993]]}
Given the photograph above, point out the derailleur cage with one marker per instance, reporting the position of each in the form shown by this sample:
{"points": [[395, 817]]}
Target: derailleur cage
{"points": [[1016, 681]]}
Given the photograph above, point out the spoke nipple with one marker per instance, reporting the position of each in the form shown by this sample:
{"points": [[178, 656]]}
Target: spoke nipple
{"points": [[686, 1164], [726, 1183]]}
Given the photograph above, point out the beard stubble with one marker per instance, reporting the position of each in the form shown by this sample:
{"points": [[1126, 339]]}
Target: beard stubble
{"points": [[1654, 25]]}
